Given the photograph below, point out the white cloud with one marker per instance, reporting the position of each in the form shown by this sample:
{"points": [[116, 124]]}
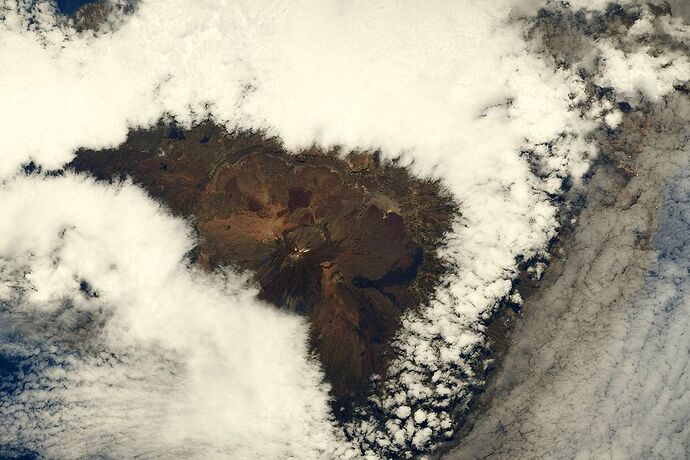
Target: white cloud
{"points": [[594, 5], [598, 365], [450, 85], [640, 72], [596, 368], [176, 363]]}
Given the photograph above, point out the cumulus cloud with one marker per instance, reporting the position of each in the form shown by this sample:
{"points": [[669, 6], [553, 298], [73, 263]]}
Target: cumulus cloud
{"points": [[598, 367], [383, 75], [598, 362], [640, 71], [451, 86], [126, 351]]}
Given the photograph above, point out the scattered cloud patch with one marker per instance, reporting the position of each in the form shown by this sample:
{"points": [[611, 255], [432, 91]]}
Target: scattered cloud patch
{"points": [[639, 71]]}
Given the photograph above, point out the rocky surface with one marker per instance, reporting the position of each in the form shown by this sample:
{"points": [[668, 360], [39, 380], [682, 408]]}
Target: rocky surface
{"points": [[100, 15], [91, 15], [347, 241]]}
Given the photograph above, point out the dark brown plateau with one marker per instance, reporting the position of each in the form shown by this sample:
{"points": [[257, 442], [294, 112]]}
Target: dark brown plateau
{"points": [[346, 240]]}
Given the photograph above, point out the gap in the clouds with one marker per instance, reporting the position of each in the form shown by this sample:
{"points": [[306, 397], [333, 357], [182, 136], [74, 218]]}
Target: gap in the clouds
{"points": [[345, 238], [69, 7], [92, 15], [13, 454], [9, 366], [10, 363]]}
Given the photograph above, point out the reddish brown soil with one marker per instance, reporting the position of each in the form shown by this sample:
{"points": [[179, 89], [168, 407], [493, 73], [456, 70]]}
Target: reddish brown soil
{"points": [[348, 242]]}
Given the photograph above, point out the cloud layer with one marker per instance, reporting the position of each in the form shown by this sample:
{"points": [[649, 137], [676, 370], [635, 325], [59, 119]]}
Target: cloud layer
{"points": [[598, 367], [452, 87], [126, 351]]}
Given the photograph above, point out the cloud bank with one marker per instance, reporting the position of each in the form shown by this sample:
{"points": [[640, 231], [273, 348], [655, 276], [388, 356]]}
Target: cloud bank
{"points": [[124, 350], [452, 87], [598, 363]]}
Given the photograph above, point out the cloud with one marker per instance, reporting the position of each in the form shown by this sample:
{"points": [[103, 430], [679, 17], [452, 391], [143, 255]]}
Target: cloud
{"points": [[598, 366], [681, 9], [640, 71], [152, 359], [452, 87]]}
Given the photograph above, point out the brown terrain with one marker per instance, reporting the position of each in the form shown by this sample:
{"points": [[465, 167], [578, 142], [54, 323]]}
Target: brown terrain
{"points": [[347, 240]]}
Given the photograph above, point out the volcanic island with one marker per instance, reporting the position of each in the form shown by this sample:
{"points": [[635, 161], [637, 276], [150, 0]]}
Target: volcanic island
{"points": [[347, 239]]}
